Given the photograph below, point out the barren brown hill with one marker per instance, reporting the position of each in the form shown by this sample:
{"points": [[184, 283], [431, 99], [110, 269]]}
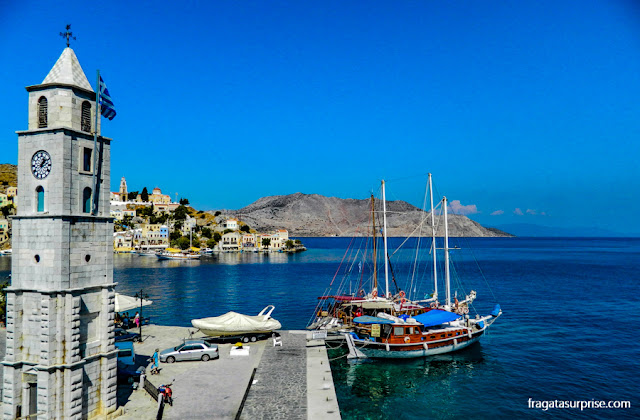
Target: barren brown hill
{"points": [[317, 215], [8, 176]]}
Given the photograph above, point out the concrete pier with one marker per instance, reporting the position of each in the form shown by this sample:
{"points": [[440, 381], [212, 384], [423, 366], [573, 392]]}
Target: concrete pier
{"points": [[292, 381]]}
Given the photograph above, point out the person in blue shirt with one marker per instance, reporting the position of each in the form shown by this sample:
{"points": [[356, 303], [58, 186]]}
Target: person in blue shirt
{"points": [[155, 362]]}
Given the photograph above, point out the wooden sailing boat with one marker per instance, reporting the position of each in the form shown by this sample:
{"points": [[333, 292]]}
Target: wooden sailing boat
{"points": [[336, 312], [439, 329]]}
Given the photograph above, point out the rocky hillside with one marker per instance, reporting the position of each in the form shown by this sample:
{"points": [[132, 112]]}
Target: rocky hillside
{"points": [[8, 176], [317, 215]]}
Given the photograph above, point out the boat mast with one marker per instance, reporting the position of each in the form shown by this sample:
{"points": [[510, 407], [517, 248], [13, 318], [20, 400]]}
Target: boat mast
{"points": [[386, 259], [433, 243], [446, 254], [375, 255]]}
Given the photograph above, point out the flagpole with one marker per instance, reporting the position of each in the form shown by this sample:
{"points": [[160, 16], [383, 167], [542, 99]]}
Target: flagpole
{"points": [[94, 209]]}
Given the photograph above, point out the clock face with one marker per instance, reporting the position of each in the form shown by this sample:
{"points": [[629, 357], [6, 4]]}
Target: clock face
{"points": [[41, 164]]}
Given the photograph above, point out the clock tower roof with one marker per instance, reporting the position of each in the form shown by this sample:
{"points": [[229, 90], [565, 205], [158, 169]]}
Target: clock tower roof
{"points": [[67, 71]]}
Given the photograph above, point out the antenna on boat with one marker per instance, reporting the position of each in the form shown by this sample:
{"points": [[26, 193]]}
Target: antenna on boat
{"points": [[386, 259], [446, 254], [433, 243]]}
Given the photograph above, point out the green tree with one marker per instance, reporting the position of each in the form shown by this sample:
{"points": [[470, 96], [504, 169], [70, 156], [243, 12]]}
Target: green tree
{"points": [[144, 195], [217, 236], [245, 228], [211, 243], [227, 231], [217, 214], [289, 244], [132, 195], [128, 222], [180, 213], [174, 236], [298, 241], [206, 232], [266, 242], [159, 219], [7, 210], [184, 201], [145, 211], [183, 242]]}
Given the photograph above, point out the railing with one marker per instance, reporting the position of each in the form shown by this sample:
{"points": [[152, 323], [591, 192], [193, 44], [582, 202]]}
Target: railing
{"points": [[151, 389]]}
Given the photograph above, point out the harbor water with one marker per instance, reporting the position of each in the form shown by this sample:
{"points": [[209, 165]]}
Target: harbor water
{"points": [[567, 332]]}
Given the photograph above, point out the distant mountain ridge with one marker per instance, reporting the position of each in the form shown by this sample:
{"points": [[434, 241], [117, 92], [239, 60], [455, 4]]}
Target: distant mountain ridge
{"points": [[533, 230], [317, 215]]}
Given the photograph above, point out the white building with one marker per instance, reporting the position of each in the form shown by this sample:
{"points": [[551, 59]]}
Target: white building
{"points": [[231, 224], [230, 241]]}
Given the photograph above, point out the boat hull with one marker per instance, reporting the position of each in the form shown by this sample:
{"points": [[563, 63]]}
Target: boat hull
{"points": [[178, 257], [219, 333], [408, 351]]}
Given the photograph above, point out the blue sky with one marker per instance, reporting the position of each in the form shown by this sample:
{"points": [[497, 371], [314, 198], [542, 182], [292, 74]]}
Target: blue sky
{"points": [[511, 105]]}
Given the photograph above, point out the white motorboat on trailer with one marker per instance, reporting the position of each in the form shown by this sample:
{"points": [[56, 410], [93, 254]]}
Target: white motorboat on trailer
{"points": [[233, 323]]}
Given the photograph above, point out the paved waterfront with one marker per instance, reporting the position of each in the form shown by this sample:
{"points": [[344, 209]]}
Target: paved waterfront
{"points": [[215, 389], [279, 390], [291, 382]]}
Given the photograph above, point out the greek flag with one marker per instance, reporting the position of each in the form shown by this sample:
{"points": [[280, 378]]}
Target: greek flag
{"points": [[106, 104]]}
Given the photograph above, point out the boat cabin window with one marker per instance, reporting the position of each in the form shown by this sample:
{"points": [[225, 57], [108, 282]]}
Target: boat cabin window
{"points": [[398, 331], [409, 330], [386, 329], [442, 335]]}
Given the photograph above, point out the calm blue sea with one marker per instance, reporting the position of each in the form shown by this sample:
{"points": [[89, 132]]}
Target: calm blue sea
{"points": [[568, 331]]}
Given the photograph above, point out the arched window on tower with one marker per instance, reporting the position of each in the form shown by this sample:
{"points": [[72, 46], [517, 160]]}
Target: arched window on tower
{"points": [[42, 112], [86, 117], [40, 199], [86, 200]]}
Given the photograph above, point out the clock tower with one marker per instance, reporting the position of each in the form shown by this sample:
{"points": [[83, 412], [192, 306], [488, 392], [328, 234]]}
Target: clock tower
{"points": [[61, 361]]}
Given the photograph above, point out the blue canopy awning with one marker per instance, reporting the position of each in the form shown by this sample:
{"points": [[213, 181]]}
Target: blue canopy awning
{"points": [[435, 317], [366, 319]]}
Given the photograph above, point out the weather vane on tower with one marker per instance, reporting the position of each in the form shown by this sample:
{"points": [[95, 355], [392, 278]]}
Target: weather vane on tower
{"points": [[68, 34]]}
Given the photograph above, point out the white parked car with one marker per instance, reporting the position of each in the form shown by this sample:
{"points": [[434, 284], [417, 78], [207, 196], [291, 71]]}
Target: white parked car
{"points": [[190, 350]]}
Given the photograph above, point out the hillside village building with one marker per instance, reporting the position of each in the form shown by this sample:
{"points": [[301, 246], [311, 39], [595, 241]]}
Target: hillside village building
{"points": [[231, 224], [60, 359], [12, 192], [235, 241], [120, 214], [156, 197], [4, 230], [123, 190]]}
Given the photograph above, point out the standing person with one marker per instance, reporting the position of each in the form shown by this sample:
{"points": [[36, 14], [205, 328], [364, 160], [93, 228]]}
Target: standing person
{"points": [[136, 320], [155, 362]]}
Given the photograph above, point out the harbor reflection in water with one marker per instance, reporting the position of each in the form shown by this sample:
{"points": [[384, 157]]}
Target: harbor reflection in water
{"points": [[376, 389]]}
